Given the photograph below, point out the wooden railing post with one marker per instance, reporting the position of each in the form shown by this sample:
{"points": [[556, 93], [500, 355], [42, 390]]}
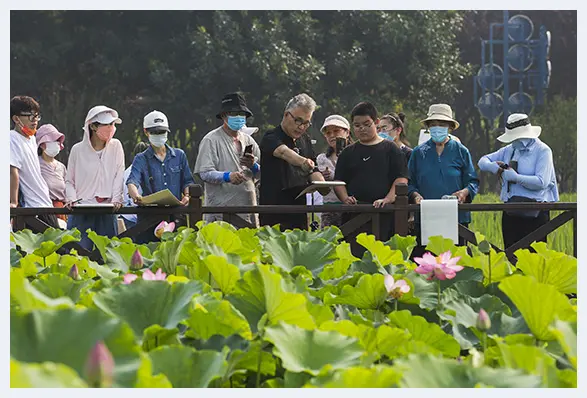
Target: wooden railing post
{"points": [[195, 205], [401, 216]]}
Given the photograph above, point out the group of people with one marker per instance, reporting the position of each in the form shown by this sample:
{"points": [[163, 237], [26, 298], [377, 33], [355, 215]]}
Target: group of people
{"points": [[237, 171]]}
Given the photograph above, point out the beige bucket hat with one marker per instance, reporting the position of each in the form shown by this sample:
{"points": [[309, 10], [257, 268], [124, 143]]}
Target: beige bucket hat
{"points": [[440, 112]]}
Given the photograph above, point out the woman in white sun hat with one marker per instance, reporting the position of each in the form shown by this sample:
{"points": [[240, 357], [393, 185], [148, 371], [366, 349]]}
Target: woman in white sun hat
{"points": [[527, 174], [95, 173], [336, 129]]}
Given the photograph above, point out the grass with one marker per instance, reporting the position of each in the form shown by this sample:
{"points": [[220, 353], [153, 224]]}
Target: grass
{"points": [[489, 224]]}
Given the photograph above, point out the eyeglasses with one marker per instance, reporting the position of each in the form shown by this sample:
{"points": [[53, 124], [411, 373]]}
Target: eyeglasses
{"points": [[363, 126], [300, 122], [32, 116]]}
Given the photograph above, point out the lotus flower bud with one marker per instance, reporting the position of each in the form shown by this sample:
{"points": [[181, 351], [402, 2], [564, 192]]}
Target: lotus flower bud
{"points": [[74, 273], [136, 261], [483, 321], [484, 247], [100, 366]]}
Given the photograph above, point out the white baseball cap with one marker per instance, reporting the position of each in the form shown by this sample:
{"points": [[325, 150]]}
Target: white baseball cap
{"points": [[156, 120]]}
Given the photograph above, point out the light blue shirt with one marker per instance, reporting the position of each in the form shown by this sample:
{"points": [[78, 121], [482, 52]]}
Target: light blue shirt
{"points": [[128, 202], [535, 177]]}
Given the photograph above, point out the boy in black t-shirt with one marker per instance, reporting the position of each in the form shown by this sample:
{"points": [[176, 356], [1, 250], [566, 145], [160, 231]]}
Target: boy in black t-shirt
{"points": [[371, 168]]}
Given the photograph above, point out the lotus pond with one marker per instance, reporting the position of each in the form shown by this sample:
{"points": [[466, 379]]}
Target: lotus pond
{"points": [[220, 307]]}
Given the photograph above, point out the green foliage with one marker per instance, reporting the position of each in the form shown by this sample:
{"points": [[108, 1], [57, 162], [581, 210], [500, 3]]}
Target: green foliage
{"points": [[224, 319]]}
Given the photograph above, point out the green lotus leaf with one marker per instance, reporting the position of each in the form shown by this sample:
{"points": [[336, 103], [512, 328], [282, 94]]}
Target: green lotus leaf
{"points": [[313, 255], [168, 253], [15, 257], [251, 246], [221, 239], [424, 332], [500, 266], [44, 244], [155, 336], [225, 275], [210, 316], [242, 361], [320, 313], [188, 368], [438, 245], [533, 360], [145, 377], [329, 234], [394, 342], [261, 291], [422, 292], [25, 297], [538, 303], [87, 269], [566, 335], [339, 267], [67, 336], [382, 254], [428, 371], [145, 303], [334, 286], [369, 293], [405, 244], [357, 377], [567, 378], [33, 264], [43, 375], [193, 266], [311, 351], [462, 312], [59, 285], [549, 267]]}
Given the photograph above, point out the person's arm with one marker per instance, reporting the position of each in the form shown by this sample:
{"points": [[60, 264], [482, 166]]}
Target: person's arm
{"points": [[207, 161], [397, 166], [489, 162], [291, 157], [118, 181], [390, 197], [187, 179], [134, 179], [413, 188], [469, 178], [70, 191], [340, 174], [543, 171], [13, 186]]}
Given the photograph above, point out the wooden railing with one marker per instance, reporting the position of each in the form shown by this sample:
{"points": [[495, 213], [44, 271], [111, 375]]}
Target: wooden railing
{"points": [[193, 212]]}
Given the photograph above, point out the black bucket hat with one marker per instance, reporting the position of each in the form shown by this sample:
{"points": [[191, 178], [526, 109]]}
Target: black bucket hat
{"points": [[234, 102]]}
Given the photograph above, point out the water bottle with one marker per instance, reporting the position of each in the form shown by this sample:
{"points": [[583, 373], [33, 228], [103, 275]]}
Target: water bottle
{"points": [[248, 173]]}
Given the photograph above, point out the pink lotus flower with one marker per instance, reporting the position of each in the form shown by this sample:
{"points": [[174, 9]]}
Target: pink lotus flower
{"points": [[74, 273], [441, 267], [136, 261], [164, 226], [396, 288], [100, 366], [148, 275]]}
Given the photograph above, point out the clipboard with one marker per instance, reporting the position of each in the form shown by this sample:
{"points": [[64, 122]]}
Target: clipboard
{"points": [[163, 197], [320, 184], [90, 205]]}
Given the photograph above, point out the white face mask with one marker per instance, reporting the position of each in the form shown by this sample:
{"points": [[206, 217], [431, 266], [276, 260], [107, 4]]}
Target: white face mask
{"points": [[52, 149], [158, 140]]}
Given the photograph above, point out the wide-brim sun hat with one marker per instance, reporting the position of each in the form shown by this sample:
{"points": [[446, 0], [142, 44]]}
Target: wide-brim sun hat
{"points": [[440, 112], [518, 126], [49, 133], [336, 120], [103, 115]]}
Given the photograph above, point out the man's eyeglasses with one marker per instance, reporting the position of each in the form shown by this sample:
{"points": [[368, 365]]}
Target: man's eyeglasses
{"points": [[32, 116], [300, 122], [363, 126]]}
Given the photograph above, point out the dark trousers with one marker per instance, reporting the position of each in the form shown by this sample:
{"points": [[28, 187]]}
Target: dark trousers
{"points": [[50, 219], [285, 221], [514, 227]]}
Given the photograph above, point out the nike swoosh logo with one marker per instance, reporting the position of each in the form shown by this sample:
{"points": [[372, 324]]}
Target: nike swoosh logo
{"points": [[365, 159]]}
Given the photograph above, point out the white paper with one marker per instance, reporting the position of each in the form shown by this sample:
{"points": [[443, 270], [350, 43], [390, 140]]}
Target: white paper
{"points": [[439, 217]]}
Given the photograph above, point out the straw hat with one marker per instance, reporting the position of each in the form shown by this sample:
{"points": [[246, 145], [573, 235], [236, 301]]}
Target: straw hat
{"points": [[518, 126], [440, 112]]}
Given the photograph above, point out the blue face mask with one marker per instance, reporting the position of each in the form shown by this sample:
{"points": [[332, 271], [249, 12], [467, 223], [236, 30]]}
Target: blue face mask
{"points": [[438, 133], [386, 136], [236, 123], [521, 143]]}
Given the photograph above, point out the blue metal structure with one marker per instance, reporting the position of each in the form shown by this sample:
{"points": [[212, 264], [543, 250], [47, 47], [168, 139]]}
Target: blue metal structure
{"points": [[520, 83]]}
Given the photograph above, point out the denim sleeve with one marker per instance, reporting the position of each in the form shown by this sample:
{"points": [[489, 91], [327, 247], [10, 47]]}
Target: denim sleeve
{"points": [[412, 170], [186, 178], [138, 165]]}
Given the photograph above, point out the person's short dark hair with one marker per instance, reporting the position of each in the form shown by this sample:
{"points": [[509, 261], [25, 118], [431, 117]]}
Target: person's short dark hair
{"points": [[139, 147], [23, 104], [364, 108]]}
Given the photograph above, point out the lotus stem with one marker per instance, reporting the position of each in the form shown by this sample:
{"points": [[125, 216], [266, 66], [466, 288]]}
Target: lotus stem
{"points": [[489, 266], [258, 382], [439, 300], [396, 304], [484, 348]]}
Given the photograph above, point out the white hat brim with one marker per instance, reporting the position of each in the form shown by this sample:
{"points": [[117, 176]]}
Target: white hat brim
{"points": [[334, 122], [438, 116], [527, 131]]}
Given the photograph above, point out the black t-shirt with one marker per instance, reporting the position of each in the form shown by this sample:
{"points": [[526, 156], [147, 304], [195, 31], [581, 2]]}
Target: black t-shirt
{"points": [[276, 181], [370, 170]]}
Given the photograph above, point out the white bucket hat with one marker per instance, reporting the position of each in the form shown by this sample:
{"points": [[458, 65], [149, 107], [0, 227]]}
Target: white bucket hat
{"points": [[440, 112], [103, 115], [336, 120], [518, 126]]}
